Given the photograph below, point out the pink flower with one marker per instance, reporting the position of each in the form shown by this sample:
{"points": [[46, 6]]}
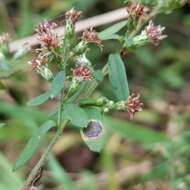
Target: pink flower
{"points": [[72, 15], [154, 33], [133, 105], [82, 73], [91, 36], [137, 11], [49, 40], [45, 27], [47, 36]]}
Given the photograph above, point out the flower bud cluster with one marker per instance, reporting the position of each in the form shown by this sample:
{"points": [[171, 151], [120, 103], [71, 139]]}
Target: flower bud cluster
{"points": [[47, 37], [136, 12], [132, 105]]}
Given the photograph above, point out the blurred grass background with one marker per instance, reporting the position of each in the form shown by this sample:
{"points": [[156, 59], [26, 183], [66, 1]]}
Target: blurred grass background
{"points": [[152, 152]]}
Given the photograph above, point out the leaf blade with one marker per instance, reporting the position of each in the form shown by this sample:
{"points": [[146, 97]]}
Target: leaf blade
{"points": [[57, 84], [118, 77], [76, 115], [33, 144], [39, 99], [109, 33]]}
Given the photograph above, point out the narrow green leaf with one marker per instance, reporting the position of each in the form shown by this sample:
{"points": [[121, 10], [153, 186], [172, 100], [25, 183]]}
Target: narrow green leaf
{"points": [[135, 132], [33, 144], [76, 115], [118, 77], [8, 179], [60, 175], [57, 84], [39, 99], [109, 33]]}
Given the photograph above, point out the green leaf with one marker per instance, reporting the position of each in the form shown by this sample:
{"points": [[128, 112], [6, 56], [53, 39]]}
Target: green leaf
{"points": [[39, 99], [33, 144], [60, 175], [76, 115], [118, 77], [94, 114], [94, 135], [98, 75], [109, 33], [134, 132], [57, 84], [8, 179]]}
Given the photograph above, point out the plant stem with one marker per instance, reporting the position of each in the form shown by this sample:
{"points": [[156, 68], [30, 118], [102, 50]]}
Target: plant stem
{"points": [[42, 160], [60, 126]]}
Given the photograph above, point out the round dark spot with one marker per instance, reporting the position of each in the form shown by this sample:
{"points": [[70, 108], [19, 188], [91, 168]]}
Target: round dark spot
{"points": [[93, 129]]}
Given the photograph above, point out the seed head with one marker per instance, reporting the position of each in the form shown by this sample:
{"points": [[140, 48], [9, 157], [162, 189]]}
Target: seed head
{"points": [[73, 15], [82, 73], [154, 33], [133, 105], [91, 36]]}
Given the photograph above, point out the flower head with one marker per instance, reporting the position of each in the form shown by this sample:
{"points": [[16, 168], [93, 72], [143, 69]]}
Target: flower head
{"points": [[154, 33], [5, 38], [45, 27], [91, 36], [136, 11], [82, 73], [134, 104], [73, 15], [46, 34], [49, 40]]}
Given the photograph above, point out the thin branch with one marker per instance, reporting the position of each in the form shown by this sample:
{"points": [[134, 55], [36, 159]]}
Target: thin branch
{"points": [[95, 21]]}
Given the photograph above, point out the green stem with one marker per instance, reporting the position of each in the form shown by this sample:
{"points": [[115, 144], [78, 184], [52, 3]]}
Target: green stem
{"points": [[42, 160], [61, 126]]}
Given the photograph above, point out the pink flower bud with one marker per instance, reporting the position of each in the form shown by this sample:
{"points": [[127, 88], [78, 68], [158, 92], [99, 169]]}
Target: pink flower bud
{"points": [[82, 73]]}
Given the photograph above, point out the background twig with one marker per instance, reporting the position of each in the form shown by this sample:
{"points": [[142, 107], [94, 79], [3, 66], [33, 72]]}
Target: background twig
{"points": [[95, 21]]}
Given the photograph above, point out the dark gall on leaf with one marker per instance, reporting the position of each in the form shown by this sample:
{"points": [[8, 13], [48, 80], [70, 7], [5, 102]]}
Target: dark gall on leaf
{"points": [[93, 129]]}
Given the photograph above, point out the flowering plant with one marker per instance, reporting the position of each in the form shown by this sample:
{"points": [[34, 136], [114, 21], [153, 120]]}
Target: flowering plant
{"points": [[64, 63]]}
